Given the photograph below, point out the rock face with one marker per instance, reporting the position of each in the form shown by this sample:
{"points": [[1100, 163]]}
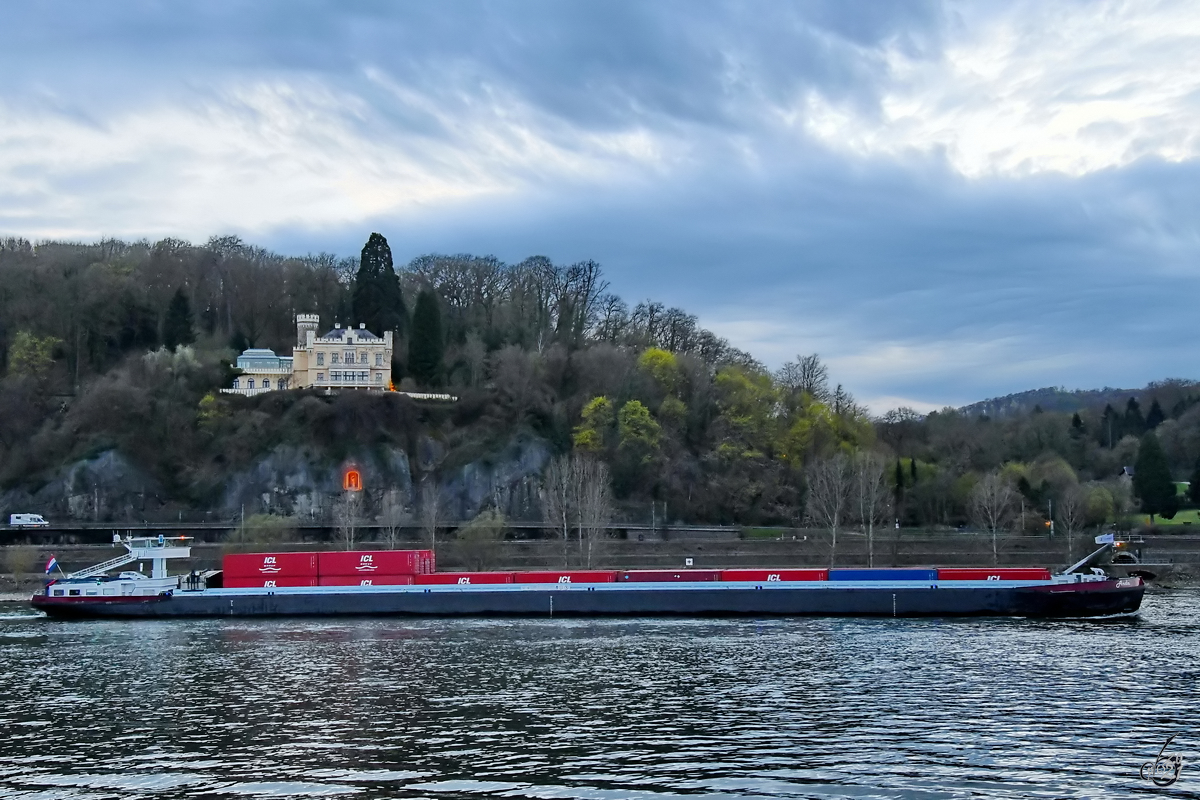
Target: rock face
{"points": [[290, 481], [103, 488], [293, 482], [509, 482]]}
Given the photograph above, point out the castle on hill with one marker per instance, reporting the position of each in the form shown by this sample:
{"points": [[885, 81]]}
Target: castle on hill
{"points": [[343, 358]]}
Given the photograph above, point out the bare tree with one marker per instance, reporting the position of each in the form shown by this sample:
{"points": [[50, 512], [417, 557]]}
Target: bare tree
{"points": [[577, 502], [558, 494], [806, 374], [830, 484], [432, 510], [595, 504], [347, 513], [474, 353], [872, 496], [1072, 511], [993, 504], [394, 515]]}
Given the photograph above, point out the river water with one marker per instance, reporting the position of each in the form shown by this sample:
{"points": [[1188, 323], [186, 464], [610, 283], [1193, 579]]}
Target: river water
{"points": [[778, 708]]}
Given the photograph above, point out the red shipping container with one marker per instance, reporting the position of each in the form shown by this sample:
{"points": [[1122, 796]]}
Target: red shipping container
{"points": [[365, 580], [465, 578], [579, 576], [267, 583], [994, 574], [771, 575], [671, 576], [373, 562], [252, 565]]}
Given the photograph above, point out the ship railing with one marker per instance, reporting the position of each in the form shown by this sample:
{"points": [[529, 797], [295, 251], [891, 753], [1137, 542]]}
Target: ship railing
{"points": [[100, 569]]}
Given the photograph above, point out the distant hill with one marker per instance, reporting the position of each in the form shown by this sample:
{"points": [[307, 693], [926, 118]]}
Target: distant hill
{"points": [[1053, 398]]}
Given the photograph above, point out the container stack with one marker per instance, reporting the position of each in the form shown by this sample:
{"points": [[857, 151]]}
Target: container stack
{"points": [[333, 568]]}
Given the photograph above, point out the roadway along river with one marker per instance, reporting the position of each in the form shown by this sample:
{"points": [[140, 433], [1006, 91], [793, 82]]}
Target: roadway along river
{"points": [[375, 708]]}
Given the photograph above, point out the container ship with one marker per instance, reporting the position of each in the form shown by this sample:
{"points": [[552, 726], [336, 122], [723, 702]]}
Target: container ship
{"points": [[406, 582]]}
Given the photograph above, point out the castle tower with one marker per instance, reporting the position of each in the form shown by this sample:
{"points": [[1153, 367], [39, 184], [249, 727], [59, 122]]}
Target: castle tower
{"points": [[304, 324]]}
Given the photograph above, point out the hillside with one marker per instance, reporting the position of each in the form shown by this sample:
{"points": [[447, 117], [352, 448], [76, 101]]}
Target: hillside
{"points": [[113, 357], [1169, 393]]}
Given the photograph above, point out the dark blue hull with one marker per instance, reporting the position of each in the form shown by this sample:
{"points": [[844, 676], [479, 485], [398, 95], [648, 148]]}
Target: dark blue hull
{"points": [[1100, 598]]}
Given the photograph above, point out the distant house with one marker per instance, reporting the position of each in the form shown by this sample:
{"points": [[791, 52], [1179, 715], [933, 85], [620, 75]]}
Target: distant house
{"points": [[343, 358], [262, 371]]}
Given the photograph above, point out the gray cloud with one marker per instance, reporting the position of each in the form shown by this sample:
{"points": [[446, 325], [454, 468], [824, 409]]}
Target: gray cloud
{"points": [[686, 146]]}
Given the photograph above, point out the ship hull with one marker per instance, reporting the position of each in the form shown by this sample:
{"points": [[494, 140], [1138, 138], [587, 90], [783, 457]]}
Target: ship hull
{"points": [[1097, 598]]}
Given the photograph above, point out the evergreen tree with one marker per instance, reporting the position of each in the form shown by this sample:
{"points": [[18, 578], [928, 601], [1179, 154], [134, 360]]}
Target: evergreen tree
{"points": [[1156, 415], [426, 345], [899, 489], [1152, 479], [1076, 424], [178, 325], [1194, 488], [377, 300], [912, 465], [1108, 422], [1133, 424]]}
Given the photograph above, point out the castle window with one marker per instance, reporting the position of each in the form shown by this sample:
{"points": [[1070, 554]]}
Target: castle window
{"points": [[349, 356], [362, 357], [320, 377], [379, 377], [379, 359], [333, 358], [266, 383], [320, 359], [252, 383], [237, 383]]}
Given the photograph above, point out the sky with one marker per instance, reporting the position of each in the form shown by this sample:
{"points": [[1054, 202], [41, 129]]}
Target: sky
{"points": [[947, 201]]}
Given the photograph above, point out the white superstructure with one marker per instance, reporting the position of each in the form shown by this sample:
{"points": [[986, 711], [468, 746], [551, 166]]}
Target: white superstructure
{"points": [[157, 550]]}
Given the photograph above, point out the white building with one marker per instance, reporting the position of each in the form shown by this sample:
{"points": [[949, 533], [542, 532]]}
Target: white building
{"points": [[343, 358]]}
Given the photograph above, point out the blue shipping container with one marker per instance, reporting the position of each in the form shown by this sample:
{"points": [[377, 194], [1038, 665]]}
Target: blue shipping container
{"points": [[883, 575]]}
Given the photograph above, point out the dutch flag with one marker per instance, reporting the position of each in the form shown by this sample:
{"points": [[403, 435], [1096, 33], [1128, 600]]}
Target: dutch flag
{"points": [[51, 564]]}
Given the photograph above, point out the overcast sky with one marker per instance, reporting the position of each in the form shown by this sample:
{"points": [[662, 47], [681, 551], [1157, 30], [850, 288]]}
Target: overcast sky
{"points": [[947, 201]]}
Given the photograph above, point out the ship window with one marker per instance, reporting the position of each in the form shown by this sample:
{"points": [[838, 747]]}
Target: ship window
{"points": [[58, 592], [73, 593], [320, 359]]}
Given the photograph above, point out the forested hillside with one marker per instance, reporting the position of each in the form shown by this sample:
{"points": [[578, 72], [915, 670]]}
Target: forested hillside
{"points": [[122, 348]]}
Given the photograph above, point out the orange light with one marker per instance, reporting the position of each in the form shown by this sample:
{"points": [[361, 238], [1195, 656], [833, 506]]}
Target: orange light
{"points": [[352, 481]]}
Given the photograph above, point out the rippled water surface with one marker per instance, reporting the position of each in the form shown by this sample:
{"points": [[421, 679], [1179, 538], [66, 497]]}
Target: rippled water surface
{"points": [[374, 708]]}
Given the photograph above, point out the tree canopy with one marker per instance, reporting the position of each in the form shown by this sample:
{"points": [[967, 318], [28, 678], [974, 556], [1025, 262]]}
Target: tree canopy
{"points": [[1152, 479], [427, 346], [377, 299]]}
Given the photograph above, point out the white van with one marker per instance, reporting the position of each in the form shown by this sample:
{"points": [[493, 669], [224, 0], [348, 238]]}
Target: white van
{"points": [[27, 521]]}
